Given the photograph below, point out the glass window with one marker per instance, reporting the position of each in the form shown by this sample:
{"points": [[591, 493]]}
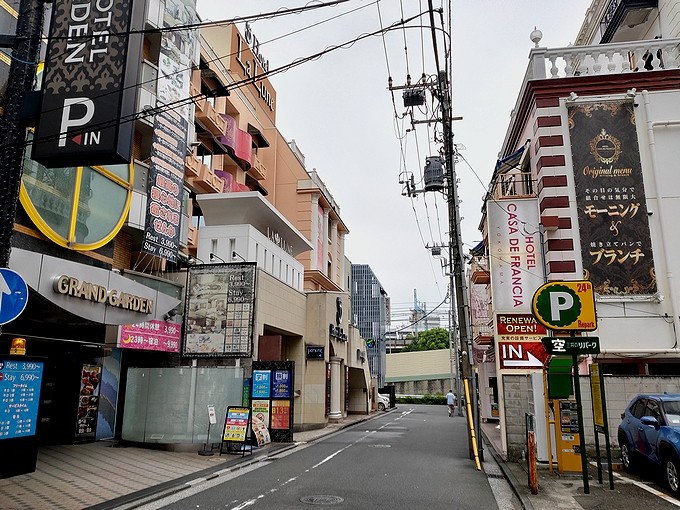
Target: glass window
{"points": [[102, 194], [672, 410], [653, 409], [99, 198], [638, 408]]}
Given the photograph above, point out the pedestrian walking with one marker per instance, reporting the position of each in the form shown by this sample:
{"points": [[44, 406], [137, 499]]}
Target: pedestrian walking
{"points": [[451, 402]]}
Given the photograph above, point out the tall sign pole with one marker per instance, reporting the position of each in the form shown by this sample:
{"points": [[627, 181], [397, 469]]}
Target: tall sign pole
{"points": [[22, 72]]}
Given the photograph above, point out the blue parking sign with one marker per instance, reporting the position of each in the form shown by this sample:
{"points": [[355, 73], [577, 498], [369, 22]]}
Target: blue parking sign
{"points": [[13, 295]]}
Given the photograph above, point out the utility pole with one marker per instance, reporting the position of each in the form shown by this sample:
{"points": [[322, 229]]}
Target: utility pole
{"points": [[456, 259], [22, 72]]}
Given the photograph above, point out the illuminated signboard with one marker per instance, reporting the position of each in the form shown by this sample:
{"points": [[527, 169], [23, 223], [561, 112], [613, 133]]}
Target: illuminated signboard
{"points": [[19, 397]]}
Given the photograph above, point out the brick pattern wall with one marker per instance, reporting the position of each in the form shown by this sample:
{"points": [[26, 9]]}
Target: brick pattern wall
{"points": [[550, 160]]}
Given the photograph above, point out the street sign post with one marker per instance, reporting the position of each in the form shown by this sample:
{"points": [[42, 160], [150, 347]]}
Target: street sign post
{"points": [[13, 295], [563, 305]]}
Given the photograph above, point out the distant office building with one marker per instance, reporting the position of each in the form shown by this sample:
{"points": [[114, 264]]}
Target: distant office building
{"points": [[371, 313]]}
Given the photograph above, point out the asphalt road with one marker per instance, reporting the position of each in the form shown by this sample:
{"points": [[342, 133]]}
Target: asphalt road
{"points": [[413, 457]]}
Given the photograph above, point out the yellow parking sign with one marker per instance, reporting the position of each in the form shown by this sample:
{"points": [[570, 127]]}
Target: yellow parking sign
{"points": [[565, 305]]}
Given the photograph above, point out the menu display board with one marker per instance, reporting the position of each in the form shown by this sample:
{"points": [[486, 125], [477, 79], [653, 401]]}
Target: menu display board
{"points": [[236, 424], [19, 397]]}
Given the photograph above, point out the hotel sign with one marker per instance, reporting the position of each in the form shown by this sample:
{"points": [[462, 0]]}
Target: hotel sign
{"points": [[253, 66], [70, 286], [90, 81]]}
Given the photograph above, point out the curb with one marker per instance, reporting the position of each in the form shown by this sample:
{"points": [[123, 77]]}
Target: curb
{"points": [[509, 476]]}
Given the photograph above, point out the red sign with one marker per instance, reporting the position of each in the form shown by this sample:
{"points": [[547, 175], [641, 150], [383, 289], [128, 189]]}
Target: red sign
{"points": [[519, 324], [521, 355], [154, 335]]}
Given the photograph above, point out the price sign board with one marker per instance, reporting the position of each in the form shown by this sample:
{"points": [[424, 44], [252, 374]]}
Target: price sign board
{"points": [[19, 397]]}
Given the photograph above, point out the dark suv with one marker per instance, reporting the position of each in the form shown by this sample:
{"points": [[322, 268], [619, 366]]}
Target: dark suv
{"points": [[650, 429]]}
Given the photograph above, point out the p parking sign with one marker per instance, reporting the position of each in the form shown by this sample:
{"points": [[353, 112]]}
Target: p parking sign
{"points": [[566, 305]]}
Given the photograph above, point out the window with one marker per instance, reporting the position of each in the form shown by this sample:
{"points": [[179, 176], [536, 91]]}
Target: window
{"points": [[80, 208]]}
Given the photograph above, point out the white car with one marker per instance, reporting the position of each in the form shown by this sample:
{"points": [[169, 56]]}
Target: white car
{"points": [[383, 402]]}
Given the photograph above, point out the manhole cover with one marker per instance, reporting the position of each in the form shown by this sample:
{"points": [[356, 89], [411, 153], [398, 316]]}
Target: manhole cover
{"points": [[322, 500], [380, 445]]}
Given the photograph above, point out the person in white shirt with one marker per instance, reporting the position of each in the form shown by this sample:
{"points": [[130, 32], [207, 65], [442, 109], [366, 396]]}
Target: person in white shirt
{"points": [[451, 402]]}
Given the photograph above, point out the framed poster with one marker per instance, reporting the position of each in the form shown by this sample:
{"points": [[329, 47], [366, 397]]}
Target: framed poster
{"points": [[236, 424]]}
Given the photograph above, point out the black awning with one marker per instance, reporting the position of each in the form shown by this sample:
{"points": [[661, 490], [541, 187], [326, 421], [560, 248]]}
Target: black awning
{"points": [[258, 137]]}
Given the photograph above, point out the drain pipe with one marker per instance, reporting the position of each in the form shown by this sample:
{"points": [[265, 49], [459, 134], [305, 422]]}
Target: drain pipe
{"points": [[669, 273]]}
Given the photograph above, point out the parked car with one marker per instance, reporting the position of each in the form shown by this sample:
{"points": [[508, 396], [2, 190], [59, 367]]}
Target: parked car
{"points": [[650, 429], [383, 402]]}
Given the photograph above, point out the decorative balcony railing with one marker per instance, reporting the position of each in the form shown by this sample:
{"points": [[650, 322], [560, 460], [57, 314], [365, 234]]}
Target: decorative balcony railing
{"points": [[257, 169], [614, 58], [651, 55], [514, 185]]}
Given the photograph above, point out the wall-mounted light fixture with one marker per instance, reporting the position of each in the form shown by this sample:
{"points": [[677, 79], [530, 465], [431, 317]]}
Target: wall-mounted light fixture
{"points": [[213, 257]]}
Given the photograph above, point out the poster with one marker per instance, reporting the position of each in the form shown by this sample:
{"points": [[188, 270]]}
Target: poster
{"points": [[281, 384], [261, 383], [88, 402], [261, 432], [616, 247], [260, 410], [236, 424], [280, 414]]}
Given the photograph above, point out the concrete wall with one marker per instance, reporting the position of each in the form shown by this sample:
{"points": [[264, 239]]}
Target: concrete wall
{"points": [[418, 366], [428, 387]]}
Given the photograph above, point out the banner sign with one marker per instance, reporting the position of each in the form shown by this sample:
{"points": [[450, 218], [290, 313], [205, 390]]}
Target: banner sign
{"points": [[515, 258], [89, 84], [220, 309], [171, 124], [20, 383], [153, 335], [615, 241]]}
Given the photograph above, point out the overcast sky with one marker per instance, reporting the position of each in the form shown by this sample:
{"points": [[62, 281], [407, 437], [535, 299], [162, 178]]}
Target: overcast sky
{"points": [[339, 111]]}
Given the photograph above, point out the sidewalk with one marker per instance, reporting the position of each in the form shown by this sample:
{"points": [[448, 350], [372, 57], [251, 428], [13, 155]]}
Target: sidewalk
{"points": [[105, 475], [566, 491]]}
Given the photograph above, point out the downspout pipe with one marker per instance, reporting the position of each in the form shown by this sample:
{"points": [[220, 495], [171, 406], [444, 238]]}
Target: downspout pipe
{"points": [[651, 125]]}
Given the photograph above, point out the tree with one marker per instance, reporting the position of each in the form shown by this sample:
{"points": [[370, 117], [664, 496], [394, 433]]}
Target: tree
{"points": [[436, 338]]}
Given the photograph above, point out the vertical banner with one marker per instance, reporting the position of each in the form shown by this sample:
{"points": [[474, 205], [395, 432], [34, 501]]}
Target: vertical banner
{"points": [[171, 124], [612, 213], [515, 257], [89, 85]]}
